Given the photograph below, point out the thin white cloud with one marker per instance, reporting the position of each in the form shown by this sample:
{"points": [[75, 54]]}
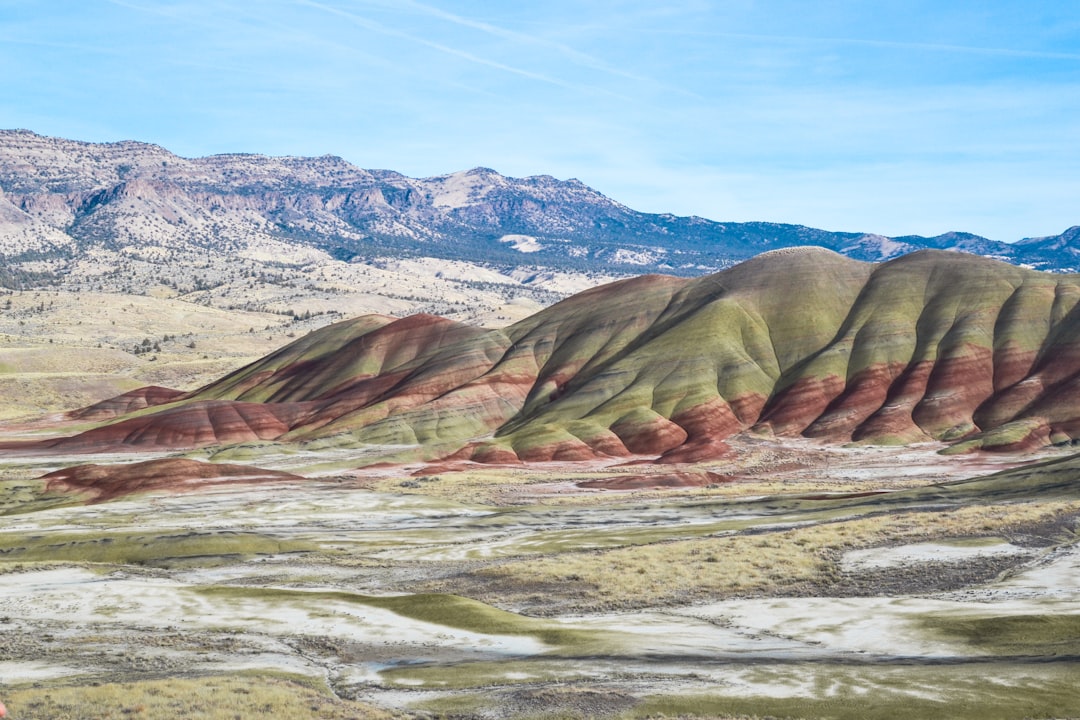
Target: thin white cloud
{"points": [[380, 28], [572, 54], [167, 11], [898, 44], [248, 20], [62, 45]]}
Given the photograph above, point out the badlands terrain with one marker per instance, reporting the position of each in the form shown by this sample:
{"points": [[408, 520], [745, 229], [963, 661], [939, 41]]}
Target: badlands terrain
{"points": [[805, 486]]}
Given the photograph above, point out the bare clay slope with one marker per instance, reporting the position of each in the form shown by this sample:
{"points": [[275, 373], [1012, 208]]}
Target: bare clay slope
{"points": [[933, 345]]}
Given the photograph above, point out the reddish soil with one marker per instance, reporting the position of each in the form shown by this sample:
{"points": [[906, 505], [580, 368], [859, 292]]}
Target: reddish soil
{"points": [[957, 386], [106, 482], [650, 437], [893, 418], [190, 426], [794, 408], [693, 452], [139, 399], [864, 395], [565, 451]]}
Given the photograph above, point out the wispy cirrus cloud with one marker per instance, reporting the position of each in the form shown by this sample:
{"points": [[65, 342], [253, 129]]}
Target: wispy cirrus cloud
{"points": [[569, 53], [875, 43], [81, 47], [378, 27]]}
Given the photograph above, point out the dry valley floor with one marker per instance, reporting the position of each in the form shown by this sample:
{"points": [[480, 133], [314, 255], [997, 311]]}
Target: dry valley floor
{"points": [[795, 580]]}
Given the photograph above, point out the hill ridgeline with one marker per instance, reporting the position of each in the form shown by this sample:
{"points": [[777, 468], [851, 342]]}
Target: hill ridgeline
{"points": [[799, 342]]}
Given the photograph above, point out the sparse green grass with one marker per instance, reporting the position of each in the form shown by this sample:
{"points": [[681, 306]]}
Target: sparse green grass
{"points": [[447, 610], [684, 570], [1005, 435], [229, 697], [957, 692], [669, 572], [31, 495], [141, 548], [644, 566], [465, 675], [806, 691], [1012, 635]]}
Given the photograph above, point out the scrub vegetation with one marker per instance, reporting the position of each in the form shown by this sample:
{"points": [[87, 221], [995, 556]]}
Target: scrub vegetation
{"points": [[144, 549], [958, 692], [754, 563], [227, 697]]}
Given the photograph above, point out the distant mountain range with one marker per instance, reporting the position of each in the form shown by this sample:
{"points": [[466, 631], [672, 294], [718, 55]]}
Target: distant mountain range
{"points": [[61, 199]]}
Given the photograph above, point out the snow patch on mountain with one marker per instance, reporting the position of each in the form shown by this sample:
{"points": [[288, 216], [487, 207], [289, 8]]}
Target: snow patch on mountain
{"points": [[624, 256], [522, 243]]}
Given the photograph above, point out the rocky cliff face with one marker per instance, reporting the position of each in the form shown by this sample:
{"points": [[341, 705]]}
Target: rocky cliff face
{"points": [[62, 199], [798, 342]]}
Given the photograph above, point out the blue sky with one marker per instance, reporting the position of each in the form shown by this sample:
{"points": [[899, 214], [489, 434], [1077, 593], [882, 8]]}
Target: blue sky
{"points": [[877, 116]]}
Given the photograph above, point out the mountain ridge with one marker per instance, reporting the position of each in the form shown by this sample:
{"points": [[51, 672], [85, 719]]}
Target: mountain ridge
{"points": [[60, 199]]}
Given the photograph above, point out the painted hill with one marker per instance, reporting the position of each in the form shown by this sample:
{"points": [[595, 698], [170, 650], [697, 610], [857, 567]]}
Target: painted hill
{"points": [[930, 346], [79, 211], [106, 482]]}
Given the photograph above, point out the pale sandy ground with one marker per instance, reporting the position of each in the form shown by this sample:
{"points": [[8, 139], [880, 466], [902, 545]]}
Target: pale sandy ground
{"points": [[871, 558], [106, 621], [67, 347], [701, 640]]}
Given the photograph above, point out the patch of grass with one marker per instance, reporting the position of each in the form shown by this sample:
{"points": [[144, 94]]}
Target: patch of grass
{"points": [[974, 542], [248, 452], [446, 610], [229, 697], [1013, 635], [685, 570], [963, 692], [669, 572], [549, 542], [456, 704], [138, 548], [1003, 436], [30, 395], [9, 568], [483, 674], [570, 701], [465, 614], [24, 496]]}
